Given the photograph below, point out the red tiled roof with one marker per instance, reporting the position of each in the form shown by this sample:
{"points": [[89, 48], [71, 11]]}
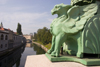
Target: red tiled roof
{"points": [[2, 29]]}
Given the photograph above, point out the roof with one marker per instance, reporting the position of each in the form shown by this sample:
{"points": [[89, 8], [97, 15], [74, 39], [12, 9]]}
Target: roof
{"points": [[2, 29]]}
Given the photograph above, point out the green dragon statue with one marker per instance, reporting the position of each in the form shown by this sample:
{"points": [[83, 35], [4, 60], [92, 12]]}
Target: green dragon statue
{"points": [[59, 35], [68, 24], [77, 30]]}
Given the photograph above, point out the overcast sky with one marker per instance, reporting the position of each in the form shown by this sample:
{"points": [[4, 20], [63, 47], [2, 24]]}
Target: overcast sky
{"points": [[31, 14]]}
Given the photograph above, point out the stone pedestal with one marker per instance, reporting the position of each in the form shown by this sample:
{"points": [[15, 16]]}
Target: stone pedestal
{"points": [[85, 61], [43, 61]]}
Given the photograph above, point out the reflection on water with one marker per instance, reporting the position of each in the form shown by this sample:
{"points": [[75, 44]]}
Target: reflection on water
{"points": [[12, 58], [18, 57], [38, 49], [29, 45]]}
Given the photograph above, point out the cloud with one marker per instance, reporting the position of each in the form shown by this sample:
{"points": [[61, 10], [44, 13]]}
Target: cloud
{"points": [[2, 2], [30, 21]]}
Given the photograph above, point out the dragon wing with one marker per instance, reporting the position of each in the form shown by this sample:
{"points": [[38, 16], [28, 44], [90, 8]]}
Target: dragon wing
{"points": [[69, 23], [77, 17]]}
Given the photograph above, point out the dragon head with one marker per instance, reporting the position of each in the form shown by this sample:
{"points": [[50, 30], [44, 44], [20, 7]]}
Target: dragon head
{"points": [[59, 8]]}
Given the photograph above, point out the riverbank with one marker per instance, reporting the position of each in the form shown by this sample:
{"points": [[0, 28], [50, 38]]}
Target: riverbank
{"points": [[42, 46]]}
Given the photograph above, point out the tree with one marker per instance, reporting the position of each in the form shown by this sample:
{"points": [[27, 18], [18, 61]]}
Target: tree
{"points": [[39, 35], [35, 36], [19, 32], [44, 36]]}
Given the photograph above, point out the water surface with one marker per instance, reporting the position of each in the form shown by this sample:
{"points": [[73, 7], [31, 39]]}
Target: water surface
{"points": [[18, 57], [31, 49]]}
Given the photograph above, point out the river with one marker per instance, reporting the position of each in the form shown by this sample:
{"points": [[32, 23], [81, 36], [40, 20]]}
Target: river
{"points": [[18, 57]]}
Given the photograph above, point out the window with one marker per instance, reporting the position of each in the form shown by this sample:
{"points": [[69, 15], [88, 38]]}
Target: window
{"points": [[1, 46], [5, 45], [2, 37], [6, 38], [14, 37]]}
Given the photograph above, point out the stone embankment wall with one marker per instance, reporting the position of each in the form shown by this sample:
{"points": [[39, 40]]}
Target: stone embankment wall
{"points": [[40, 45]]}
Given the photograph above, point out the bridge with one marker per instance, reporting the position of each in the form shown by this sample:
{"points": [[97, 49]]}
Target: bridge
{"points": [[28, 38]]}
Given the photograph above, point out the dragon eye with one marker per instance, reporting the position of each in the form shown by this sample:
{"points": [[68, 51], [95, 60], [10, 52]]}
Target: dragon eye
{"points": [[56, 7]]}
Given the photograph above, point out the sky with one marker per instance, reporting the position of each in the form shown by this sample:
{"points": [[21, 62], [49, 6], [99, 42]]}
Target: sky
{"points": [[31, 14]]}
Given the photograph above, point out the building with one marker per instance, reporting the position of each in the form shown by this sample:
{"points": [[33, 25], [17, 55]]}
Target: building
{"points": [[9, 39]]}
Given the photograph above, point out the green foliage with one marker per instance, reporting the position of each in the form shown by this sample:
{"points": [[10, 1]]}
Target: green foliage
{"points": [[19, 32], [43, 35], [48, 46], [35, 37]]}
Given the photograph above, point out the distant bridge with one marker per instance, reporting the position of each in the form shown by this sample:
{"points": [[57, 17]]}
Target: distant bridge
{"points": [[28, 38]]}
